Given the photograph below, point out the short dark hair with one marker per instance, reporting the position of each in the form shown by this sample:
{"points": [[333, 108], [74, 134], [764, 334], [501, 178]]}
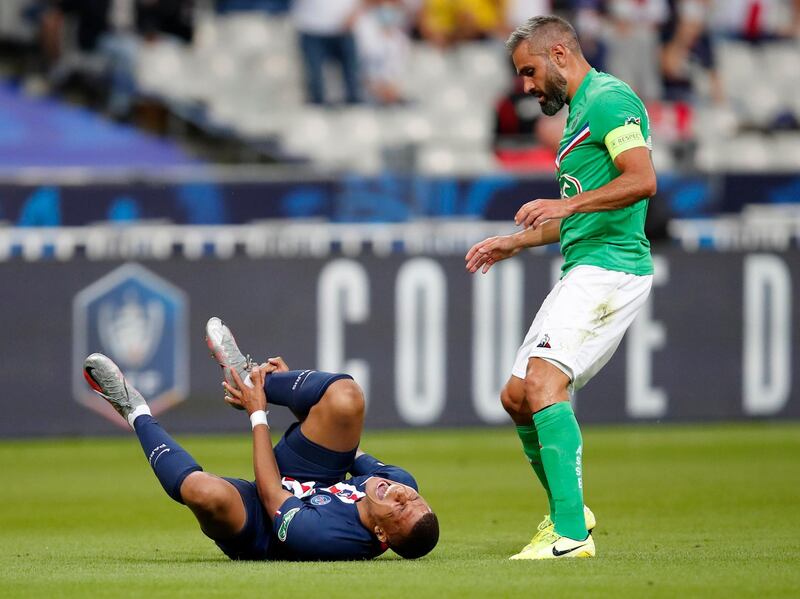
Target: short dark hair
{"points": [[548, 29], [421, 540]]}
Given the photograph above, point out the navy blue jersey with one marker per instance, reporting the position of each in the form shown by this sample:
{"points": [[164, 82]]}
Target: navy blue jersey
{"points": [[322, 522]]}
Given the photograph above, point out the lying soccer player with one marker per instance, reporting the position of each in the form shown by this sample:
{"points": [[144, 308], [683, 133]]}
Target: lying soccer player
{"points": [[301, 506]]}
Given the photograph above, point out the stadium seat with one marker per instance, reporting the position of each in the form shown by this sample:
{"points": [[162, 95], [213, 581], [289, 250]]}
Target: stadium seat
{"points": [[449, 160]]}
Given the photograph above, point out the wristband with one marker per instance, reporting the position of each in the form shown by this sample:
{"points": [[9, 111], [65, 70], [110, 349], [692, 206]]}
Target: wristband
{"points": [[259, 417]]}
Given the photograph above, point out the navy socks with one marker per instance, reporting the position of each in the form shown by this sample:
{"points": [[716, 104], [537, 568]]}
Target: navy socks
{"points": [[171, 463], [299, 390]]}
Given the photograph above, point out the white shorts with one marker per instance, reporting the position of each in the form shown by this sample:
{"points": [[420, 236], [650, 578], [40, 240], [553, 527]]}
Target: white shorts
{"points": [[582, 321]]}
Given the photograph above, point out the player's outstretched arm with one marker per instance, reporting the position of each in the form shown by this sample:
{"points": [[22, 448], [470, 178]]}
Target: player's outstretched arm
{"points": [[636, 181], [485, 253], [254, 400]]}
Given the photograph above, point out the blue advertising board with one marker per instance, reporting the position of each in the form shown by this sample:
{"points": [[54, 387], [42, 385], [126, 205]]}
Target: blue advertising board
{"points": [[394, 198]]}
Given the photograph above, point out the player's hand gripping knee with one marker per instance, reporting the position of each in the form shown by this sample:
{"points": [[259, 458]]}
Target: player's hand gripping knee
{"points": [[485, 253], [243, 396]]}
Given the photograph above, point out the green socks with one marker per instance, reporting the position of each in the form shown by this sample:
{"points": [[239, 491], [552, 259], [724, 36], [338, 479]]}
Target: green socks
{"points": [[562, 446], [530, 445]]}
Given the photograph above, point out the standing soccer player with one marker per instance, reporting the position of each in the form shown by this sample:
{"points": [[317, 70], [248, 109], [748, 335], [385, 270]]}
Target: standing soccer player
{"points": [[606, 178]]}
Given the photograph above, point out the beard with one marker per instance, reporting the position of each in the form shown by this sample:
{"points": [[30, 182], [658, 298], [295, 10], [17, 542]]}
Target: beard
{"points": [[555, 91]]}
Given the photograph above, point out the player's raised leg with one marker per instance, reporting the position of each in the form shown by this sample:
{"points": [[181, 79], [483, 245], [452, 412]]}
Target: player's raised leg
{"points": [[329, 405], [214, 501], [337, 419]]}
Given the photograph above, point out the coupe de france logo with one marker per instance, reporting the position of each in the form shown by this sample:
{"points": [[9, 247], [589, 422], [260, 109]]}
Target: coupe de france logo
{"points": [[139, 320]]}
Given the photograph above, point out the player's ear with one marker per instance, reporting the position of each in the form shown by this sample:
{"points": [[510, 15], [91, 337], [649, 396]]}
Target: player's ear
{"points": [[558, 54], [381, 534]]}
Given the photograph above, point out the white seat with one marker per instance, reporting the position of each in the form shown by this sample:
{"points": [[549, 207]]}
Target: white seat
{"points": [[448, 160], [306, 130], [243, 33], [159, 67], [404, 126], [786, 152], [747, 153], [485, 68]]}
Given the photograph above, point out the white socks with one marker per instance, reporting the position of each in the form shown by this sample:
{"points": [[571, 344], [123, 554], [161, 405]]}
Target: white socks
{"points": [[138, 411]]}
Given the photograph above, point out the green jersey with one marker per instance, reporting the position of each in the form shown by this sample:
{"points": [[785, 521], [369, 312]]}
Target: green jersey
{"points": [[605, 119]]}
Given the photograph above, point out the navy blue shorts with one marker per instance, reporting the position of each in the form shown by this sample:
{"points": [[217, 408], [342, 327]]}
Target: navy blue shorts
{"points": [[297, 458]]}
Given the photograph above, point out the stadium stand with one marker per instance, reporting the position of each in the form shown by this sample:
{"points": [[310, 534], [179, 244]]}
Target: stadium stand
{"points": [[234, 71], [243, 70], [230, 76]]}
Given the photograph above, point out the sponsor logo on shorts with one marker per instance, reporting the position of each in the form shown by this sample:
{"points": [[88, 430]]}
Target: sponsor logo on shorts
{"points": [[545, 342], [284, 528], [320, 499]]}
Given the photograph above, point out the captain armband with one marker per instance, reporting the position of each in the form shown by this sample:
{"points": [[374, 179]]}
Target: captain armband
{"points": [[624, 138]]}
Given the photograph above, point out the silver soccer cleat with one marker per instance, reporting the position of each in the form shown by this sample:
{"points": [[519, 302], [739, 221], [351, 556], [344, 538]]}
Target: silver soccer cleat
{"points": [[225, 351], [107, 380]]}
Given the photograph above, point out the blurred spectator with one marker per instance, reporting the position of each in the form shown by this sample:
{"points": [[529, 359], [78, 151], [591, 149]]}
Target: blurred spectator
{"points": [[589, 22], [445, 22], [158, 18], [756, 20], [325, 29], [92, 20], [383, 47], [269, 6], [687, 46], [156, 21], [632, 44], [109, 33]]}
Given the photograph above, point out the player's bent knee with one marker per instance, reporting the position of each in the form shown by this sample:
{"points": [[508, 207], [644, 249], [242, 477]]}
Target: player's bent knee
{"points": [[205, 492], [345, 400], [516, 405], [544, 387], [511, 403], [533, 385]]}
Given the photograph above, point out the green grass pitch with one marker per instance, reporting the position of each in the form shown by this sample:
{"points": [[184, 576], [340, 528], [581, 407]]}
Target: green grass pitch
{"points": [[702, 511]]}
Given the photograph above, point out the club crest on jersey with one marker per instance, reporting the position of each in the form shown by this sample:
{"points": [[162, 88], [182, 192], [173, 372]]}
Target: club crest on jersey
{"points": [[320, 499], [569, 186]]}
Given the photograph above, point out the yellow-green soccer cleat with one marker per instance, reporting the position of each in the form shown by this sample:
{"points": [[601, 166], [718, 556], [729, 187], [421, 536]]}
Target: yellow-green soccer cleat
{"points": [[546, 525], [551, 545]]}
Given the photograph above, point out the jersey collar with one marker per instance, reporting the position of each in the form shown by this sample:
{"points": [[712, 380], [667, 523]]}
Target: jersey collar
{"points": [[581, 91]]}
